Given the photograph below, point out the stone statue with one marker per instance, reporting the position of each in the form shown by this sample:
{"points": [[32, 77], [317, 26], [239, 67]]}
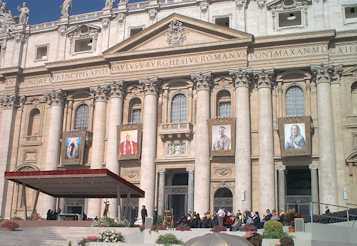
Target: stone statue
{"points": [[108, 4], [24, 14], [106, 209], [66, 7]]}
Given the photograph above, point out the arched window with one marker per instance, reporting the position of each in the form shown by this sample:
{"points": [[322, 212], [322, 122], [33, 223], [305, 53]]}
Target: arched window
{"points": [[295, 102], [135, 111], [224, 104], [354, 97], [179, 109], [81, 117], [34, 123], [223, 198]]}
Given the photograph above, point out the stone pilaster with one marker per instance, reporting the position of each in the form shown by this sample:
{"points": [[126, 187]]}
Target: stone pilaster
{"points": [[147, 179], [327, 172], [8, 105], [161, 195], [281, 187], [190, 191], [314, 187], [243, 173], [203, 83], [266, 141], [115, 119], [100, 94]]}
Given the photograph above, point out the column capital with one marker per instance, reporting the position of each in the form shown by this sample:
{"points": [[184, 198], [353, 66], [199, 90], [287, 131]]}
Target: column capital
{"points": [[313, 166], [203, 81], [116, 89], [241, 77], [55, 98], [326, 73], [100, 93], [264, 78], [11, 101], [281, 168], [150, 85]]}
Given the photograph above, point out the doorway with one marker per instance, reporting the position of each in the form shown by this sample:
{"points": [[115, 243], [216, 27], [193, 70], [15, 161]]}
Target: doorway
{"points": [[223, 198]]}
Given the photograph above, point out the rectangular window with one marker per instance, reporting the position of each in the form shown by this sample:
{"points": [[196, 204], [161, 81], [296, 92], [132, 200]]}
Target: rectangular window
{"points": [[222, 21], [351, 12], [287, 19], [85, 44], [135, 30], [135, 116], [41, 53]]}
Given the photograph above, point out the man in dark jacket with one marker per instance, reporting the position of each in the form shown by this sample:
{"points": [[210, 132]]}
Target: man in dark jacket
{"points": [[144, 214], [252, 236]]}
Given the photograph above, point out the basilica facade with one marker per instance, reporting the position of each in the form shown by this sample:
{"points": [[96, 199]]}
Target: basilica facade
{"points": [[202, 104]]}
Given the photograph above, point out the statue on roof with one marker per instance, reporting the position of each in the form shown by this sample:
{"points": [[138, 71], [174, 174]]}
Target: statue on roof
{"points": [[108, 4], [66, 7], [24, 14]]}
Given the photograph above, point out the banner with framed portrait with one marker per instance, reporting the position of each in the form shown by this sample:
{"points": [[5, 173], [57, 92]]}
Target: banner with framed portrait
{"points": [[73, 147], [295, 136], [222, 136], [129, 142]]}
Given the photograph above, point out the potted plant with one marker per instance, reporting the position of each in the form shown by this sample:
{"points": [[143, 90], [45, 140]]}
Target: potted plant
{"points": [[273, 231], [168, 239]]}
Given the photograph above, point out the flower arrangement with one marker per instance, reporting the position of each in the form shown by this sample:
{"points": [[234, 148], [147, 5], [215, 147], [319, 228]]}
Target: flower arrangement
{"points": [[111, 237], [109, 222], [168, 239], [9, 225], [218, 228]]}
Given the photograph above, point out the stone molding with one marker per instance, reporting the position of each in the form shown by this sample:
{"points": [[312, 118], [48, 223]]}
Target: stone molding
{"points": [[11, 101], [241, 78], [55, 98], [100, 93], [203, 81], [264, 78], [150, 85], [326, 73], [116, 89], [176, 33]]}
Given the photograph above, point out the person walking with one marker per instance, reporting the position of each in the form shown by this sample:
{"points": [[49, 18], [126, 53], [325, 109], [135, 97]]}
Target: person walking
{"points": [[144, 214]]}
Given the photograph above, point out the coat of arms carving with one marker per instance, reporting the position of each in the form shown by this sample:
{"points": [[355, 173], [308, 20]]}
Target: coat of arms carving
{"points": [[176, 33]]}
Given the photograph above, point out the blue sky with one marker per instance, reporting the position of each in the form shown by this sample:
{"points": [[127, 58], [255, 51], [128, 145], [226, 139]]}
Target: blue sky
{"points": [[48, 10]]}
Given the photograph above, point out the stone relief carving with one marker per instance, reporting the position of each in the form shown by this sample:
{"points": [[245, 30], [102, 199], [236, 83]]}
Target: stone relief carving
{"points": [[10, 101], [223, 172], [176, 33], [241, 77], [116, 89], [176, 148], [203, 81], [288, 4], [264, 78], [152, 13], [150, 85], [55, 97], [100, 92], [326, 73]]}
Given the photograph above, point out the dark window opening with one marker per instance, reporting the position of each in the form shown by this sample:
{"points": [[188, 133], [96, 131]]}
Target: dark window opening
{"points": [[351, 12], [83, 45], [41, 53], [222, 21], [136, 30], [290, 19]]}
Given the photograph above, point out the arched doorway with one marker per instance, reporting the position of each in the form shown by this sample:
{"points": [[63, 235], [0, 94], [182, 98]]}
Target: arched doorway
{"points": [[223, 198]]}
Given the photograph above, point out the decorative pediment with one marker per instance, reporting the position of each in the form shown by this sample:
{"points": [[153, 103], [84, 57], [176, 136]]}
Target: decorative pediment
{"points": [[82, 30], [287, 4], [352, 158], [179, 32]]}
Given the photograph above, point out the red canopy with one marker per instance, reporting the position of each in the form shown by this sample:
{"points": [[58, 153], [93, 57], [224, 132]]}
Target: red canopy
{"points": [[77, 183]]}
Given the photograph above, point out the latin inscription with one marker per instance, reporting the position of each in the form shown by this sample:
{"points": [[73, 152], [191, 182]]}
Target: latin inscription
{"points": [[84, 74]]}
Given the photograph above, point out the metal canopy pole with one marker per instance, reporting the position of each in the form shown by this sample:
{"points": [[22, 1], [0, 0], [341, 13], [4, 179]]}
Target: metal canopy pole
{"points": [[25, 201], [118, 208], [35, 203]]}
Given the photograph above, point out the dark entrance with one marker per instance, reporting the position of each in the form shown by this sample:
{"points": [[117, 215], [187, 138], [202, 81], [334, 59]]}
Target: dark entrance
{"points": [[298, 189], [223, 198], [176, 182]]}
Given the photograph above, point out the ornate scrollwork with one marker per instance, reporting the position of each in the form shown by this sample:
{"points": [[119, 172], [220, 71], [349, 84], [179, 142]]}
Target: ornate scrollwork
{"points": [[55, 97], [203, 81], [8, 101], [326, 73], [150, 85], [116, 89], [264, 78], [100, 93], [241, 77], [176, 33]]}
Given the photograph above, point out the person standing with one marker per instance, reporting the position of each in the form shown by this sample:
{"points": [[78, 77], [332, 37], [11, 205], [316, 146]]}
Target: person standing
{"points": [[144, 214], [221, 214]]}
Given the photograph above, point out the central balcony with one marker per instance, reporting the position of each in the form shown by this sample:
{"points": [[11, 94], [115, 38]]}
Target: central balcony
{"points": [[170, 131]]}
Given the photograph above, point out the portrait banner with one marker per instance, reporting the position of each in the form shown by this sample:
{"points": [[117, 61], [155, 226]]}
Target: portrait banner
{"points": [[295, 136], [129, 142], [73, 147], [222, 136]]}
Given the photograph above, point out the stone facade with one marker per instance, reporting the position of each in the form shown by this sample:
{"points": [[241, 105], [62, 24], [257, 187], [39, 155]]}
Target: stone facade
{"points": [[219, 73]]}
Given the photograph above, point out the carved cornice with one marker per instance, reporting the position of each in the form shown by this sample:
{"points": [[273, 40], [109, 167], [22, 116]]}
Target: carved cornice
{"points": [[326, 73], [100, 93], [150, 85], [241, 77], [11, 101], [241, 3], [116, 89], [203, 81], [264, 78], [55, 97]]}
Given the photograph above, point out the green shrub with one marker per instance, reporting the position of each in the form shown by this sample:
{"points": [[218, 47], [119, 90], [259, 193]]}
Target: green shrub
{"points": [[273, 229], [168, 239], [109, 222]]}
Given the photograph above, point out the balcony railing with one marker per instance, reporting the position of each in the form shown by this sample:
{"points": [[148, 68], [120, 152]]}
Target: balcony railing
{"points": [[176, 130]]}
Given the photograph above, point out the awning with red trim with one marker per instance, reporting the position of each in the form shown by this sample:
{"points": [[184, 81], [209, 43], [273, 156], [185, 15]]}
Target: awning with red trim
{"points": [[76, 183]]}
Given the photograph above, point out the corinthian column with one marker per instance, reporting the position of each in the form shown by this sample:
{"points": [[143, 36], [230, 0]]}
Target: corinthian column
{"points": [[55, 100], [266, 142], [147, 177], [202, 160], [327, 168], [243, 170], [99, 123], [115, 119], [7, 104]]}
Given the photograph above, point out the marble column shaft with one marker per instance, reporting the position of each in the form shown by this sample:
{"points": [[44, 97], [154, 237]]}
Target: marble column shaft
{"points": [[115, 119], [7, 118], [202, 154], [282, 187], [99, 125], [55, 100], [161, 195], [190, 191], [266, 141], [314, 188], [243, 173], [327, 170], [147, 177]]}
